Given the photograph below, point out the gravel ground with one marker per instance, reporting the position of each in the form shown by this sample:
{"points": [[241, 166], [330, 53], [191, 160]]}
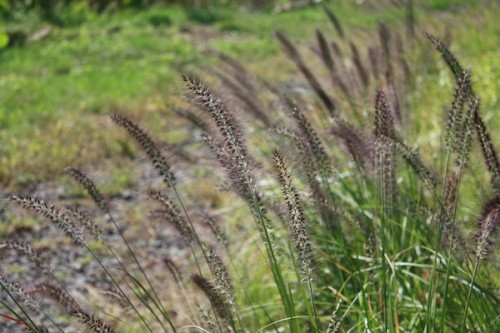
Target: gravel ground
{"points": [[151, 240]]}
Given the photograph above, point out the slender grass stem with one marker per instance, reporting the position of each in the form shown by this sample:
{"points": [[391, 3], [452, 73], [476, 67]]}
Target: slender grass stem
{"points": [[469, 293]]}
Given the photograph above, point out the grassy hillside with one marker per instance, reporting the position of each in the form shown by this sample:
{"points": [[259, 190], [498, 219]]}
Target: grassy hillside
{"points": [[61, 88]]}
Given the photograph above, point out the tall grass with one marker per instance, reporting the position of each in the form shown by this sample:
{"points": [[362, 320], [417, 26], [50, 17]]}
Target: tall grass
{"points": [[353, 229]]}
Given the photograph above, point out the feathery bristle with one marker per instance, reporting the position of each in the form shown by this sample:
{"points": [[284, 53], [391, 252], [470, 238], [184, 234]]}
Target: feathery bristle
{"points": [[297, 221], [87, 222], [310, 173], [240, 91], [221, 276], [465, 143], [93, 323], [488, 150], [294, 55], [172, 214], [89, 186], [413, 160], [225, 121], [146, 143], [356, 58], [327, 59], [311, 137], [384, 123], [335, 22], [326, 55], [173, 269], [237, 172], [385, 43], [193, 118], [50, 213], [59, 295], [356, 145], [27, 251], [385, 162], [447, 56], [487, 228], [455, 119], [219, 234], [212, 293], [208, 320], [16, 290], [232, 153]]}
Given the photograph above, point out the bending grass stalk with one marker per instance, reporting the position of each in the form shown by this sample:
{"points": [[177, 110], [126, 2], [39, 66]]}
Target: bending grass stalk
{"points": [[18, 321], [217, 110], [47, 270], [448, 268], [146, 143], [158, 304], [89, 185], [278, 276], [469, 293], [31, 325], [198, 241], [22, 294], [117, 285], [383, 247], [245, 292], [430, 292]]}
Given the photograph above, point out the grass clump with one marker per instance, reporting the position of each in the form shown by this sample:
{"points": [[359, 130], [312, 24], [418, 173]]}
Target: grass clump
{"points": [[335, 222]]}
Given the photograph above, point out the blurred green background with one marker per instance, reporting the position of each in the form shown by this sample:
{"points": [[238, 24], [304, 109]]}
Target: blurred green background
{"points": [[65, 65]]}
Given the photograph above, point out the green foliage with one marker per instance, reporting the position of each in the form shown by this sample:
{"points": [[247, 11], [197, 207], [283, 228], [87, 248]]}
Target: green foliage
{"points": [[159, 19], [363, 221], [204, 16]]}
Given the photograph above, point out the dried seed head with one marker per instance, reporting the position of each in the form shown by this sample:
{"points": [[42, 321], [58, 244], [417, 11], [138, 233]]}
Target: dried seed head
{"points": [[296, 221], [447, 56], [294, 55], [385, 42], [208, 320], [215, 107], [356, 58], [89, 186], [50, 213], [27, 251], [335, 22], [455, 120], [310, 136], [171, 213], [173, 269], [147, 144], [487, 228], [58, 295], [488, 150], [93, 323], [326, 55], [212, 293], [219, 234], [384, 123], [193, 118], [15, 290], [412, 159], [221, 276], [87, 222]]}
